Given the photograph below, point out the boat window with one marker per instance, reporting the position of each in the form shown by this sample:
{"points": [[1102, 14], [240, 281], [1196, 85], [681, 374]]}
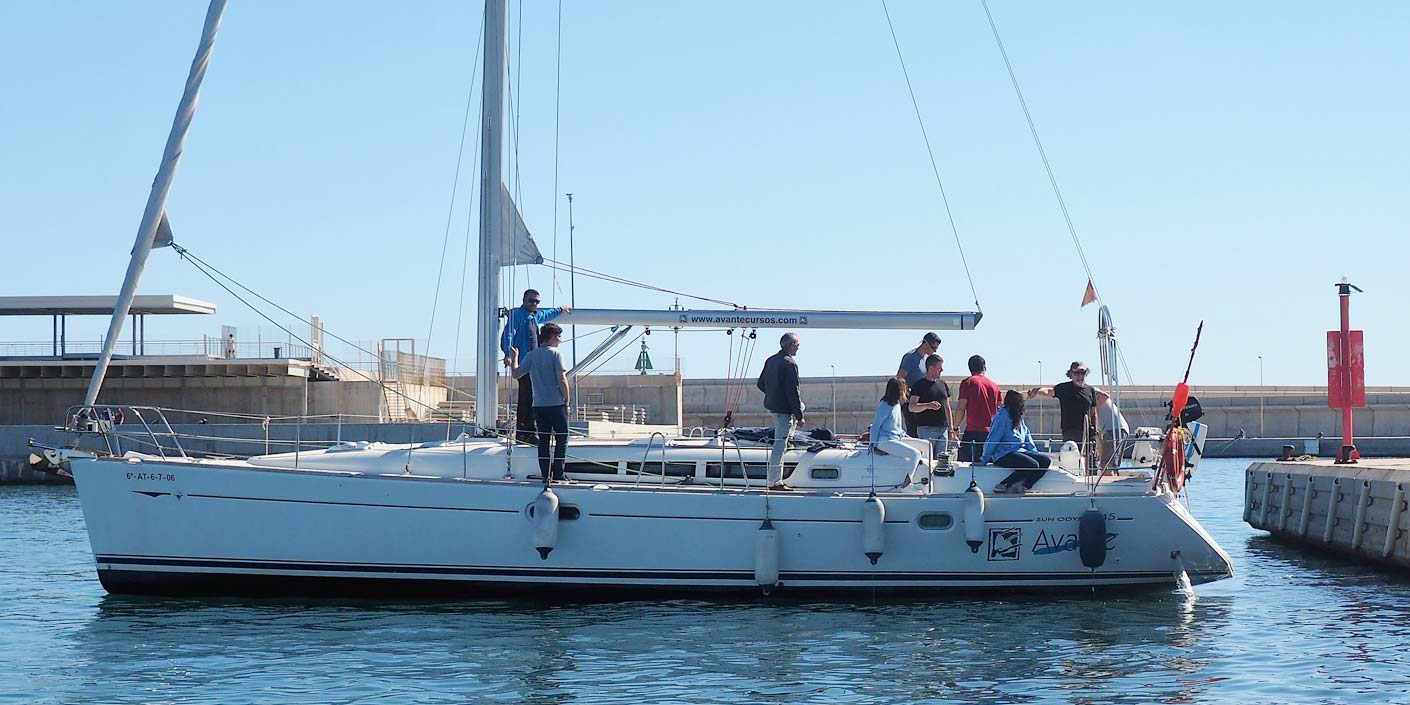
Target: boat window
{"points": [[584, 467], [757, 471], [566, 512], [653, 468], [935, 520], [824, 473]]}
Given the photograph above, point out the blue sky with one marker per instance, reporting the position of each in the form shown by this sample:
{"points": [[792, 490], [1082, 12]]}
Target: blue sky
{"points": [[1221, 161]]}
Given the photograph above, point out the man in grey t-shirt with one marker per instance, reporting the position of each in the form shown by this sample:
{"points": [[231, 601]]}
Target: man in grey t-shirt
{"points": [[912, 370], [544, 366]]}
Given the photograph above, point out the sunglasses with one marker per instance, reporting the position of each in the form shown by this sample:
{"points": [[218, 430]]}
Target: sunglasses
{"points": [[533, 301]]}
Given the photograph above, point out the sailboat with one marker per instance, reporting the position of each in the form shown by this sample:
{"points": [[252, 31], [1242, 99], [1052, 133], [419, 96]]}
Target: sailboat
{"points": [[668, 516]]}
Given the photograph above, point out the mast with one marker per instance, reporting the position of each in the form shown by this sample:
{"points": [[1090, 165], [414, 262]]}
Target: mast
{"points": [[156, 200], [491, 220]]}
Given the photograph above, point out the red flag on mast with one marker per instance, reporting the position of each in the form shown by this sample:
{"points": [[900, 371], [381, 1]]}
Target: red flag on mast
{"points": [[1090, 295]]}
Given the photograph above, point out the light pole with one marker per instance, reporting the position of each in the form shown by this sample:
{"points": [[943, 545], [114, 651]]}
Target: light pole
{"points": [[834, 397], [573, 301], [1260, 397]]}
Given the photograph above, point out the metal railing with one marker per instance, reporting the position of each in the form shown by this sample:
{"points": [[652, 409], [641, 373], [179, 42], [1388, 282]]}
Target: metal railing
{"points": [[107, 421], [207, 347]]}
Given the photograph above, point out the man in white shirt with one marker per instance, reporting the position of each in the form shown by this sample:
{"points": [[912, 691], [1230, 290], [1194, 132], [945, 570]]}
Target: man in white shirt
{"points": [[1111, 432]]}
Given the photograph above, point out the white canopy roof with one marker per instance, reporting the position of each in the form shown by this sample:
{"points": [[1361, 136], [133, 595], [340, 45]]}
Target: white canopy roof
{"points": [[99, 305]]}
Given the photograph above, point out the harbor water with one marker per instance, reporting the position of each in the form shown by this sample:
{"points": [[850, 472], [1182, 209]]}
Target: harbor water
{"points": [[1288, 628]]}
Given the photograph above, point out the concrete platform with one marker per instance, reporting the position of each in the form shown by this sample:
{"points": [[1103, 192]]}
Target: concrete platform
{"points": [[1359, 511]]}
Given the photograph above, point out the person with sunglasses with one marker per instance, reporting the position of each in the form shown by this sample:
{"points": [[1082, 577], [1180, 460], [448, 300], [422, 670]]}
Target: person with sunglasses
{"points": [[521, 334], [1077, 404]]}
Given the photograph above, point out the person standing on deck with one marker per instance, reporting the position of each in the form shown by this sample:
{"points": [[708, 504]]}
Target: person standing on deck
{"points": [[543, 366], [912, 371], [1077, 405], [930, 404], [779, 383], [1111, 433], [521, 335], [980, 399]]}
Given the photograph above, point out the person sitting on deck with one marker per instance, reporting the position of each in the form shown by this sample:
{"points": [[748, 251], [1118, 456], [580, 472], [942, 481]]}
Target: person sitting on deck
{"points": [[887, 425], [1010, 445]]}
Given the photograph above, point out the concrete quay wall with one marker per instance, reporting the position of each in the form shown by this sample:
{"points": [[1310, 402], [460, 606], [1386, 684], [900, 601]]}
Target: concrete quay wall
{"points": [[1358, 510]]}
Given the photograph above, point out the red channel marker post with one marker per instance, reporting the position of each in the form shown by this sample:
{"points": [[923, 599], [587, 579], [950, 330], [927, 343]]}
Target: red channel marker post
{"points": [[1346, 372]]}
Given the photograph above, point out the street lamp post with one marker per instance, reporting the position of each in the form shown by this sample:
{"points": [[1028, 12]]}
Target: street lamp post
{"points": [[1261, 432]]}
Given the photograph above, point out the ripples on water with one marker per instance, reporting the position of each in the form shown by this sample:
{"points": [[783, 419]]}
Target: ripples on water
{"points": [[1287, 628]]}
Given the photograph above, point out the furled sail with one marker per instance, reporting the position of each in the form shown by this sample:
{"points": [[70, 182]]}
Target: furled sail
{"points": [[518, 246], [163, 237]]}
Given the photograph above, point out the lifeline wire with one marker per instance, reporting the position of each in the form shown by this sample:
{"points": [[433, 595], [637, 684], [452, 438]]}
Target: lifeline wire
{"points": [[931, 153]]}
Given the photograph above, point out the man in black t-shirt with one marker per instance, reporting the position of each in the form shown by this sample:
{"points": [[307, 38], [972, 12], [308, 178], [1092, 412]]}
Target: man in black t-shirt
{"points": [[1077, 403], [930, 407]]}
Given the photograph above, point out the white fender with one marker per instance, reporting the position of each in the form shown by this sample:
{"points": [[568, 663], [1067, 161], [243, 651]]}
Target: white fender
{"points": [[545, 522], [873, 528], [974, 517], [766, 555], [1070, 457]]}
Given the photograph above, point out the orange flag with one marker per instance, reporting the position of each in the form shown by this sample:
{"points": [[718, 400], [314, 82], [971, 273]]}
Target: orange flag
{"points": [[1090, 295]]}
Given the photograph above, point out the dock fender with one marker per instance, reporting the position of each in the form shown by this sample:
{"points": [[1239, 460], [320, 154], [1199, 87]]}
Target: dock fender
{"points": [[1091, 538], [974, 517], [766, 556], [545, 522], [873, 528]]}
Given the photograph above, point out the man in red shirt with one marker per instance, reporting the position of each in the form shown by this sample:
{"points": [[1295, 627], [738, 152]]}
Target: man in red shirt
{"points": [[980, 399]]}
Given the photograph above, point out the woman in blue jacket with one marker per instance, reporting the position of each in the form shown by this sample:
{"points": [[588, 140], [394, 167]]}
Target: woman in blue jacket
{"points": [[1010, 445]]}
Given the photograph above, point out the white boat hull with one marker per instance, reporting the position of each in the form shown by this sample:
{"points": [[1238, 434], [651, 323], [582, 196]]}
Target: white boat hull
{"points": [[185, 527]]}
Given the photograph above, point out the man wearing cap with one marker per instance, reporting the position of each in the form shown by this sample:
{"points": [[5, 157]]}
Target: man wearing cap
{"points": [[912, 370], [1077, 403]]}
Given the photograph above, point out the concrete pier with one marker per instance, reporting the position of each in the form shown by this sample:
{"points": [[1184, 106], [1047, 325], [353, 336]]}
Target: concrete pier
{"points": [[1357, 510]]}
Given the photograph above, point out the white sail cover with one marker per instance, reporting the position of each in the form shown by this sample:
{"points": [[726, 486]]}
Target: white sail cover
{"points": [[518, 246]]}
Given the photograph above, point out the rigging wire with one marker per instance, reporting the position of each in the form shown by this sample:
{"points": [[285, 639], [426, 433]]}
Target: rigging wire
{"points": [[210, 273], [583, 271], [455, 185], [557, 102], [1042, 153], [934, 166], [465, 257]]}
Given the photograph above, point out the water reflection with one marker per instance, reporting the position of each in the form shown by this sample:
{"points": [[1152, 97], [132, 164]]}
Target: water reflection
{"points": [[1290, 627], [1137, 649]]}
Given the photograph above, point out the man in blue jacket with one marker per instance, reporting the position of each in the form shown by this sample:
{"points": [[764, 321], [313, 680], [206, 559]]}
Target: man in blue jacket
{"points": [[521, 332]]}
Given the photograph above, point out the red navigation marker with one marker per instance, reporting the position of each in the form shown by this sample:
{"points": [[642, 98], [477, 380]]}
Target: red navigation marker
{"points": [[1346, 372]]}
